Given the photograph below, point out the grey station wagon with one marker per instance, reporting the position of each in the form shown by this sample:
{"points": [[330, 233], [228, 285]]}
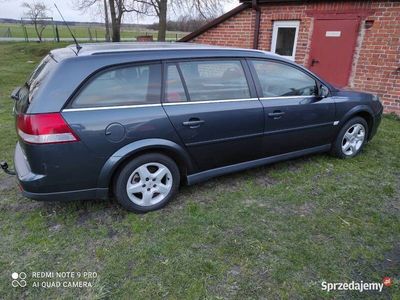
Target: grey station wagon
{"points": [[137, 120]]}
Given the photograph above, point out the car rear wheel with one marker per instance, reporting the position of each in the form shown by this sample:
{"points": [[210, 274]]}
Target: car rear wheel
{"points": [[351, 138], [147, 183]]}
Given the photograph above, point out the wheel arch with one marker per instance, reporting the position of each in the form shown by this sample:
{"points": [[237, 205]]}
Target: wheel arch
{"points": [[362, 111], [135, 149]]}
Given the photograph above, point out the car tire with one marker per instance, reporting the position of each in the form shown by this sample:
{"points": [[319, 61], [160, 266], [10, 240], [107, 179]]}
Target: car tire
{"points": [[147, 183], [351, 138]]}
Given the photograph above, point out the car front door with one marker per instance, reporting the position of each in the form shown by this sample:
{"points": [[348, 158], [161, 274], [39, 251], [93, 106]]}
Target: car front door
{"points": [[295, 117], [214, 109]]}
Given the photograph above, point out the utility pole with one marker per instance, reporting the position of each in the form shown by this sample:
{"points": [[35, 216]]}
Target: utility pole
{"points": [[106, 21]]}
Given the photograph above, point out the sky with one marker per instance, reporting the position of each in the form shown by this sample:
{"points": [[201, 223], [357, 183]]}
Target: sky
{"points": [[12, 9]]}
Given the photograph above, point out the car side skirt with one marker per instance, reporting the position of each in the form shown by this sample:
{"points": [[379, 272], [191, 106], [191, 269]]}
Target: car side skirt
{"points": [[205, 175], [99, 193]]}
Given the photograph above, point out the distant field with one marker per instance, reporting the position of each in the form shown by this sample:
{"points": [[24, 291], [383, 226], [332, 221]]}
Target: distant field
{"points": [[94, 32]]}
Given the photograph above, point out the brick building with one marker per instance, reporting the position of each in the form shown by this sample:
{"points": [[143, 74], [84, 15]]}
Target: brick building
{"points": [[353, 44]]}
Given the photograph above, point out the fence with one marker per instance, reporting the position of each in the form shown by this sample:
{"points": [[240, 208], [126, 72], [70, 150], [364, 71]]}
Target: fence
{"points": [[56, 32]]}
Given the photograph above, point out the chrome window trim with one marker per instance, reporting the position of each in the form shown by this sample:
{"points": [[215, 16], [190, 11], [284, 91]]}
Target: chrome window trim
{"points": [[156, 104], [287, 97], [181, 103], [209, 101], [111, 107]]}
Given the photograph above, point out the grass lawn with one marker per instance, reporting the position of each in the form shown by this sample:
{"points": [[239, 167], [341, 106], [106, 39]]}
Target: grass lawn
{"points": [[272, 232], [81, 32]]}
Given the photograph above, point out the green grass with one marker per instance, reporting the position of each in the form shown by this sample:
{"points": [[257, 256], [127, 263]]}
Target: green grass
{"points": [[272, 232], [81, 32]]}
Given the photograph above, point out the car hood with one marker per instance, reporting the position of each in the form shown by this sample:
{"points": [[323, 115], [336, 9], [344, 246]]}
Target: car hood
{"points": [[352, 93]]}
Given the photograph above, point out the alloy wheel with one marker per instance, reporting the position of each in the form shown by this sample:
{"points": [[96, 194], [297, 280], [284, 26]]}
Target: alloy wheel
{"points": [[353, 139]]}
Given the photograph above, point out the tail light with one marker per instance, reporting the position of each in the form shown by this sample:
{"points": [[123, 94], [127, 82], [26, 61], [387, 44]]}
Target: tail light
{"points": [[45, 129]]}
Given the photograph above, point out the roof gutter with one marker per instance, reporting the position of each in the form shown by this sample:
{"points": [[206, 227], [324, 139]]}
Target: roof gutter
{"points": [[256, 7]]}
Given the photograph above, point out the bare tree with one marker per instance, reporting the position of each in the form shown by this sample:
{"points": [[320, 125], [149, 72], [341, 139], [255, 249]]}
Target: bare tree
{"points": [[159, 9], [185, 23], [204, 9], [117, 9], [36, 11], [201, 9], [85, 6], [107, 22]]}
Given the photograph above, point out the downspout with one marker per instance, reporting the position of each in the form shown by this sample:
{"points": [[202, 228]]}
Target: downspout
{"points": [[257, 10]]}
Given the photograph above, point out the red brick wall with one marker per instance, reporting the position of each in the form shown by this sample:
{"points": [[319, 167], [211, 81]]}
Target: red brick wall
{"points": [[272, 13], [376, 62], [377, 67], [235, 31]]}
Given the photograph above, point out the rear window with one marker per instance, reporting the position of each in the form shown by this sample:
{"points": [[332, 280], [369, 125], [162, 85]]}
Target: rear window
{"points": [[41, 71], [128, 85], [28, 90]]}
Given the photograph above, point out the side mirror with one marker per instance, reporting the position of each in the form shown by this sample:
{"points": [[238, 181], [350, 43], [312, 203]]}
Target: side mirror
{"points": [[322, 91], [15, 93]]}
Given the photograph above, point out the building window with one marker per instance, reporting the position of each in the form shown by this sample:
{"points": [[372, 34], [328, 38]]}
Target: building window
{"points": [[284, 38]]}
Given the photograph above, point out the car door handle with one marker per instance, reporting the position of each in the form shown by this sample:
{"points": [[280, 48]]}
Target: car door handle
{"points": [[193, 123], [276, 114]]}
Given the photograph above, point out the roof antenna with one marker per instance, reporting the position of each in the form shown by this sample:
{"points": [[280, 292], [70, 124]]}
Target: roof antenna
{"points": [[78, 47]]}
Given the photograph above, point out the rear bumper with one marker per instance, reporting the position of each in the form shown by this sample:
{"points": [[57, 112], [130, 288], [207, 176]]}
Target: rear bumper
{"points": [[31, 183], [26, 177]]}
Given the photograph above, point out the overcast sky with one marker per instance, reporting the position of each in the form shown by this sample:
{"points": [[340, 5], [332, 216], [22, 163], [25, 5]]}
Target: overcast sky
{"points": [[12, 9]]}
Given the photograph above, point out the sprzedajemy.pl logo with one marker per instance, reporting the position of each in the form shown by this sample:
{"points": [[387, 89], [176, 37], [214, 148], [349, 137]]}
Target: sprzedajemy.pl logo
{"points": [[356, 286]]}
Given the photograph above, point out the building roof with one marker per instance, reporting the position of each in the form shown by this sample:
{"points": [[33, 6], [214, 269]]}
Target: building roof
{"points": [[244, 5], [216, 21], [275, 1]]}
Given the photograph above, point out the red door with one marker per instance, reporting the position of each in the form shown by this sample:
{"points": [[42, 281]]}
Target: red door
{"points": [[332, 49]]}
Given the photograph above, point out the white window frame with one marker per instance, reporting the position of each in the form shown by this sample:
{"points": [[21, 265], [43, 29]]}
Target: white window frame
{"points": [[285, 24]]}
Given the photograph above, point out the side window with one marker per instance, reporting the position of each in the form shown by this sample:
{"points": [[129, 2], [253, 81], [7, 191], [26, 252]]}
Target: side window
{"points": [[174, 90], [129, 85], [278, 79], [215, 80]]}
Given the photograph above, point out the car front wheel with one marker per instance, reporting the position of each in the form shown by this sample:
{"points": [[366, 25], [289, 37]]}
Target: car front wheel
{"points": [[147, 183], [351, 138]]}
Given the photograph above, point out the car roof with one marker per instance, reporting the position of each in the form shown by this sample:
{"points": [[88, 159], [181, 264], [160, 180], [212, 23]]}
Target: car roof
{"points": [[88, 49]]}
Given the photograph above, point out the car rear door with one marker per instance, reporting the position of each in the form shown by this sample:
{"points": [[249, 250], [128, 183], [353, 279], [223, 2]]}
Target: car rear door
{"points": [[212, 105], [295, 118]]}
